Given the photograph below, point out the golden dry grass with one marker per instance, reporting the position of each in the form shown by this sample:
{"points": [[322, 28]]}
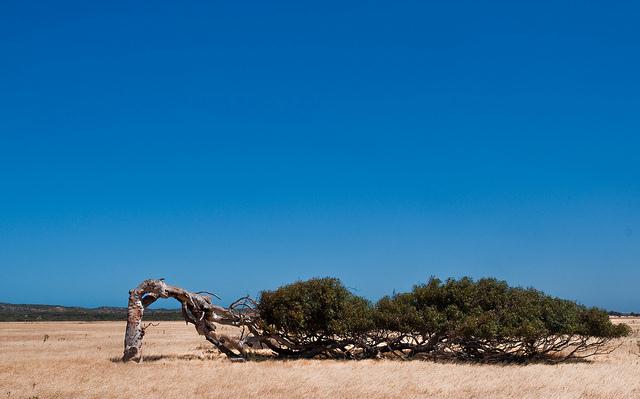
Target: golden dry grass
{"points": [[77, 361]]}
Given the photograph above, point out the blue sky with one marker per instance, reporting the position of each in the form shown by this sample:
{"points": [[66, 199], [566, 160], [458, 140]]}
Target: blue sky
{"points": [[237, 146]]}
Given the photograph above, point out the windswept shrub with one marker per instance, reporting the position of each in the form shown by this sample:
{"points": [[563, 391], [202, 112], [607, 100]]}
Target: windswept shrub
{"points": [[320, 307], [487, 319], [482, 320]]}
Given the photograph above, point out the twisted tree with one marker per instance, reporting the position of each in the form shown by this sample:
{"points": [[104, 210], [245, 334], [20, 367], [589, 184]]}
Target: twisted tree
{"points": [[484, 320], [197, 309]]}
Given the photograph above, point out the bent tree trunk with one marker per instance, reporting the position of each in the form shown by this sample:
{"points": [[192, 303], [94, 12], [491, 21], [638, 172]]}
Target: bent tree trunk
{"points": [[197, 309]]}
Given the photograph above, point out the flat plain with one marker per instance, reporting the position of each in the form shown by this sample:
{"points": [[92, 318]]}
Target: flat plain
{"points": [[81, 360]]}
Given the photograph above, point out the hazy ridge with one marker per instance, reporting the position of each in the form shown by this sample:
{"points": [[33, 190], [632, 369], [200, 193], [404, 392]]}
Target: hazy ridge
{"points": [[30, 312]]}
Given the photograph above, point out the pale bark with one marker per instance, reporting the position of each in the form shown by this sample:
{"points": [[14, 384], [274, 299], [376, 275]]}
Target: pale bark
{"points": [[197, 309]]}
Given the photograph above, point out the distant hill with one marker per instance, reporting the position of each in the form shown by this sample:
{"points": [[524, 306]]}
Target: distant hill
{"points": [[620, 314], [18, 312]]}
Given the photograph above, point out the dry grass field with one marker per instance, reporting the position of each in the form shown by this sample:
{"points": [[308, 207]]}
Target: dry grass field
{"points": [[79, 360]]}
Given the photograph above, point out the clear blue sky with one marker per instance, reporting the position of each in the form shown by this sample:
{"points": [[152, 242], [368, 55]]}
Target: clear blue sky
{"points": [[236, 146]]}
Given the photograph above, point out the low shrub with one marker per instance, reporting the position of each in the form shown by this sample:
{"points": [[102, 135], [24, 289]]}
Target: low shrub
{"points": [[319, 310], [485, 320]]}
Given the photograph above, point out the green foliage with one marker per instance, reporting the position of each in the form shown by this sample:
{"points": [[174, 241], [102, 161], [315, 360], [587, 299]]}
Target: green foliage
{"points": [[486, 308], [489, 309], [477, 320], [317, 307]]}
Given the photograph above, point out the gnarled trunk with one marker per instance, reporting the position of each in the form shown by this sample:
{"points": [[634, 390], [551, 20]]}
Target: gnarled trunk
{"points": [[197, 309]]}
